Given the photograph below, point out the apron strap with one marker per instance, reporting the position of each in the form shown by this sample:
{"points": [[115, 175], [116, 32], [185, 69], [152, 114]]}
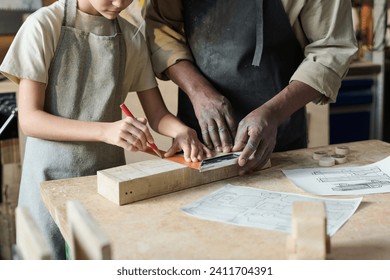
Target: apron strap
{"points": [[259, 33], [70, 13], [116, 26]]}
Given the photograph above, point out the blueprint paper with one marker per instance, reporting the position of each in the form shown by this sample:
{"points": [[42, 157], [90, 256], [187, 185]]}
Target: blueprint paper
{"points": [[251, 207], [358, 180]]}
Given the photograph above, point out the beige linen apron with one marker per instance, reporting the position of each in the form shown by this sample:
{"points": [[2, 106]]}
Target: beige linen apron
{"points": [[85, 83]]}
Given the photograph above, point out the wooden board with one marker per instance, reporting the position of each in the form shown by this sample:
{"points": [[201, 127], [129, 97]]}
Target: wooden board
{"points": [[30, 241], [88, 241], [9, 151], [7, 232], [308, 240], [9, 192], [141, 180], [11, 175]]}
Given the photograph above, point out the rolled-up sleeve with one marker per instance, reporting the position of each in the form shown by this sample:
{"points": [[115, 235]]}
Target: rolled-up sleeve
{"points": [[330, 48], [164, 32]]}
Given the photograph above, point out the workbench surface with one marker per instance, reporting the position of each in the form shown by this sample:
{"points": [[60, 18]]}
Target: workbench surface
{"points": [[156, 228]]}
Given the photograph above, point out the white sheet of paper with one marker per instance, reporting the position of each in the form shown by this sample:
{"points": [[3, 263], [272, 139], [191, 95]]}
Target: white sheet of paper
{"points": [[246, 206], [358, 180]]}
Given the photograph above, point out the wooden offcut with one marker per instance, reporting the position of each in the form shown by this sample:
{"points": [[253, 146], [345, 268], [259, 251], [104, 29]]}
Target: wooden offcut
{"points": [[88, 241], [308, 240], [141, 180], [30, 242], [10, 181]]}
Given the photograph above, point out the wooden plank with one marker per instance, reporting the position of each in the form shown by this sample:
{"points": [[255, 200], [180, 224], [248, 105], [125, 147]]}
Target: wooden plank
{"points": [[11, 206], [141, 180], [88, 241], [7, 228], [30, 243], [11, 175], [5, 240], [10, 152], [308, 240]]}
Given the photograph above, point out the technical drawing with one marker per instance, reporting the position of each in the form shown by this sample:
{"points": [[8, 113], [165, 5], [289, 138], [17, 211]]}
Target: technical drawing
{"points": [[360, 186], [253, 207], [370, 178], [352, 180], [374, 173]]}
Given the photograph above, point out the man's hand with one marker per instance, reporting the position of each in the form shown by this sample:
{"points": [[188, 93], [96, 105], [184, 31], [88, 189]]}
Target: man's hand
{"points": [[257, 132], [256, 137], [213, 110], [215, 117]]}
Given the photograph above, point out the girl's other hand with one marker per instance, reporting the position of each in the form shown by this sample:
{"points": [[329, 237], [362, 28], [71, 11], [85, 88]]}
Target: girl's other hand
{"points": [[188, 142]]}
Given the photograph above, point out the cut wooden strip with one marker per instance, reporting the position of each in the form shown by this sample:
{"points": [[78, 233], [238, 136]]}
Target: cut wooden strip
{"points": [[88, 241], [30, 243], [141, 180]]}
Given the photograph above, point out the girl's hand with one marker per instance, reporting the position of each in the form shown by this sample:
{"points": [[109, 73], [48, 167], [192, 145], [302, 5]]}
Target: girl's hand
{"points": [[132, 134], [188, 142]]}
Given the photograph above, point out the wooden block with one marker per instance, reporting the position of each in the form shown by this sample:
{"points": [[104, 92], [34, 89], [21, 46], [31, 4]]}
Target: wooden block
{"points": [[88, 241], [308, 240], [141, 180], [30, 243]]}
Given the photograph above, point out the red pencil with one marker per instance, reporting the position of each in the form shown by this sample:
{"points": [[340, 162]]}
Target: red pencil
{"points": [[129, 114]]}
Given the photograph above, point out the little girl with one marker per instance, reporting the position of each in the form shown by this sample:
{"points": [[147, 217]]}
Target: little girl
{"points": [[75, 61]]}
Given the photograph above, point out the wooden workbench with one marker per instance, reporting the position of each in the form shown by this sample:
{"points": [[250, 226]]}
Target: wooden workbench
{"points": [[157, 229]]}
